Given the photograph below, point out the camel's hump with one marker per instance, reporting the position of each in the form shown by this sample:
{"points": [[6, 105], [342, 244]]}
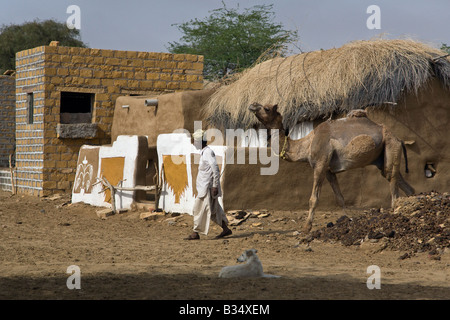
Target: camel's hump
{"points": [[357, 113]]}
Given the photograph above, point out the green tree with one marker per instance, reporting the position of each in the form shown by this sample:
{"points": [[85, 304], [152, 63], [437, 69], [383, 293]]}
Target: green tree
{"points": [[14, 38], [445, 48], [231, 40]]}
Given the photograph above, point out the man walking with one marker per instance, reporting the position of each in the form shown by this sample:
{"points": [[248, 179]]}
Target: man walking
{"points": [[206, 206]]}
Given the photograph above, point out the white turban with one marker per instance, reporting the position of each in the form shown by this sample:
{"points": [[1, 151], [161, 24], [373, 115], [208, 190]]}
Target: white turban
{"points": [[199, 135]]}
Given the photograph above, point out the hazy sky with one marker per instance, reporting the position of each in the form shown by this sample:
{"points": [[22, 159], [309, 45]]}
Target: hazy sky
{"points": [[146, 25]]}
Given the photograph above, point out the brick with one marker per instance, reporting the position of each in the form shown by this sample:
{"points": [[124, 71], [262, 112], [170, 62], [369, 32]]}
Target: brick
{"points": [[98, 60], [95, 52], [77, 60], [192, 57], [133, 83], [191, 78], [173, 85], [170, 65], [98, 74], [86, 73], [160, 85], [49, 184], [152, 76], [146, 84], [179, 77], [179, 57], [117, 74], [139, 75], [93, 82], [120, 54], [63, 185], [150, 63], [165, 76], [65, 59], [62, 72], [154, 55], [142, 55], [166, 56], [197, 66], [122, 83], [101, 96], [112, 61], [184, 65], [66, 156]]}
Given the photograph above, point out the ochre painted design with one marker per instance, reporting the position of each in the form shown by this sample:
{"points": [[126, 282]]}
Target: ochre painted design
{"points": [[175, 174], [86, 170], [112, 170]]}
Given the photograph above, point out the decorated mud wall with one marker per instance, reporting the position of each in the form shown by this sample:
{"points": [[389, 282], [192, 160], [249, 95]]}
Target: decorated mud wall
{"points": [[178, 165], [122, 163], [65, 98]]}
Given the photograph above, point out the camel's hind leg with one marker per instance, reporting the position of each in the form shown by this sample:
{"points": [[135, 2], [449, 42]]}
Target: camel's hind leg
{"points": [[332, 179], [319, 176], [405, 186], [391, 170]]}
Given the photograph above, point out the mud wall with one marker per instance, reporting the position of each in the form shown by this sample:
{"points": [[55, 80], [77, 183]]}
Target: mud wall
{"points": [[290, 188], [174, 111], [423, 122]]}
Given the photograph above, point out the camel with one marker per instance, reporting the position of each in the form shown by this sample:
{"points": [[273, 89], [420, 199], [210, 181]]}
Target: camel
{"points": [[339, 145]]}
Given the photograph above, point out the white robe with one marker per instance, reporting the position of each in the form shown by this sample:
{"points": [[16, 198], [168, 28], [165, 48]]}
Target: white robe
{"points": [[208, 175], [207, 207]]}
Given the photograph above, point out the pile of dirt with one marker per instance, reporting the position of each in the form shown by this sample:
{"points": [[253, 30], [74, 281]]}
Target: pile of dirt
{"points": [[419, 223]]}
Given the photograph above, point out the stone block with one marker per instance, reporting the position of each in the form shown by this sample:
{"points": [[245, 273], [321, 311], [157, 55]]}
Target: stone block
{"points": [[77, 130]]}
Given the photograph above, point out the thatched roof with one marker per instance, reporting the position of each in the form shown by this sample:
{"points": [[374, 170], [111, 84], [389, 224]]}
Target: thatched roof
{"points": [[318, 84]]}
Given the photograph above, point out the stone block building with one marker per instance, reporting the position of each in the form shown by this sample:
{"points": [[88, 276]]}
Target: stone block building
{"points": [[7, 128], [65, 98], [7, 118]]}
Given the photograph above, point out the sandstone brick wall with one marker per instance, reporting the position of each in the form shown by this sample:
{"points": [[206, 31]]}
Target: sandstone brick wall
{"points": [[7, 118], [46, 163], [30, 137]]}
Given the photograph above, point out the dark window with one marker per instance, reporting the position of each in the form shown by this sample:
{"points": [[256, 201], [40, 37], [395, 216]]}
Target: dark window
{"points": [[76, 107], [30, 107]]}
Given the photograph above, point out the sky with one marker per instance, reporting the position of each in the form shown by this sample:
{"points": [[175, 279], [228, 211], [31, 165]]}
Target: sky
{"points": [[148, 25]]}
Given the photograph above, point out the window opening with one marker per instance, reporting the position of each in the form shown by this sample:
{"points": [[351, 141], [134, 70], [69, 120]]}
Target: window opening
{"points": [[76, 107], [30, 107]]}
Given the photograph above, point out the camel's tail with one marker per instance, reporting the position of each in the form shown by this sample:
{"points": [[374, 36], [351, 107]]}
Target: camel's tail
{"points": [[406, 157]]}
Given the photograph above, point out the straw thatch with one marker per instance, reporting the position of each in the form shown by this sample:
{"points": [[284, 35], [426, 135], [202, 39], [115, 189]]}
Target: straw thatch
{"points": [[321, 83]]}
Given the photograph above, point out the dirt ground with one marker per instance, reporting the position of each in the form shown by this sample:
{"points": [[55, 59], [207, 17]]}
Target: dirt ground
{"points": [[126, 257]]}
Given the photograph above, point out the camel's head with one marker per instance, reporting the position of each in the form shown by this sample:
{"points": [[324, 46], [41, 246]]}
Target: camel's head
{"points": [[268, 115]]}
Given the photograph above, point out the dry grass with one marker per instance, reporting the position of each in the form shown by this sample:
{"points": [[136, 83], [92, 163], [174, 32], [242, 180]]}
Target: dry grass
{"points": [[317, 84]]}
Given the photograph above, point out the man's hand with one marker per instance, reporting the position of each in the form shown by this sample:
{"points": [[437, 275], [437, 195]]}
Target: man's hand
{"points": [[214, 191]]}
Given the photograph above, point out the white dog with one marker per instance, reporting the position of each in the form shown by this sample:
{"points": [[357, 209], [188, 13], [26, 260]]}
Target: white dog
{"points": [[253, 268]]}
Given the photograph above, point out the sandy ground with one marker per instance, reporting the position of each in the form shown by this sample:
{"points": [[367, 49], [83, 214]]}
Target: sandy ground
{"points": [[125, 257]]}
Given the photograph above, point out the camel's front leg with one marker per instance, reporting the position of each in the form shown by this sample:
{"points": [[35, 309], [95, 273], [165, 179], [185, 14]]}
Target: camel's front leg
{"points": [[319, 175]]}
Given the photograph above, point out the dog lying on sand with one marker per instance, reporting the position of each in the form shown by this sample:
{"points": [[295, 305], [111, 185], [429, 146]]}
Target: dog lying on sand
{"points": [[251, 269]]}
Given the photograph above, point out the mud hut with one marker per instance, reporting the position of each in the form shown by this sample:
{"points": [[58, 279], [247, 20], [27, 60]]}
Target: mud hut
{"points": [[402, 84]]}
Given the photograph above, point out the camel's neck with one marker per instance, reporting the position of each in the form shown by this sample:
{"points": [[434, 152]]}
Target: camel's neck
{"points": [[294, 150]]}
